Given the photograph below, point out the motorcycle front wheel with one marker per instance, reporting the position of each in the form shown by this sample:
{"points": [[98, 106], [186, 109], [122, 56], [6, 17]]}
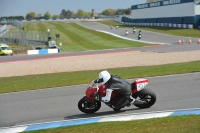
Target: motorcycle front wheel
{"points": [[87, 106]]}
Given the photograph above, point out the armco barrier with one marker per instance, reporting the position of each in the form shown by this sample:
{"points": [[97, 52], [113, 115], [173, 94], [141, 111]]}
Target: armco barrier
{"points": [[188, 26], [161, 24], [126, 117], [42, 51]]}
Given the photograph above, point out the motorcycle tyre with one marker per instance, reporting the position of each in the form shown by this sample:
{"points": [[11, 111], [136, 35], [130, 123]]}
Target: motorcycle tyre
{"points": [[145, 92], [97, 107]]}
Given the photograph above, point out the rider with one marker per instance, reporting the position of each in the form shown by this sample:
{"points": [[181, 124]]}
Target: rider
{"points": [[116, 26], [134, 30], [139, 35], [126, 32], [116, 83]]}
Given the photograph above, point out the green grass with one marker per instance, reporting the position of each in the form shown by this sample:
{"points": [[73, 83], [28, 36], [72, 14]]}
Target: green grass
{"points": [[77, 38], [32, 82], [165, 30], [175, 124], [20, 48]]}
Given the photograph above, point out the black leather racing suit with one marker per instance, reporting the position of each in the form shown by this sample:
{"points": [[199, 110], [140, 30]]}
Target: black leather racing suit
{"points": [[116, 83]]}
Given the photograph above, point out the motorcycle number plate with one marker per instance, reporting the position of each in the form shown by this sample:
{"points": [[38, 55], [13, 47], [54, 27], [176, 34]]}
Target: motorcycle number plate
{"points": [[141, 83]]}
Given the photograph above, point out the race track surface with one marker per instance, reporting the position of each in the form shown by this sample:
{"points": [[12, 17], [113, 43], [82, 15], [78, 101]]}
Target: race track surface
{"points": [[173, 92], [146, 35]]}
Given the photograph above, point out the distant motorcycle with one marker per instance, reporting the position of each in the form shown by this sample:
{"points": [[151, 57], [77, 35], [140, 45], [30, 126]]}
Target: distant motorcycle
{"points": [[126, 32], [117, 27], [91, 103], [134, 30], [139, 35]]}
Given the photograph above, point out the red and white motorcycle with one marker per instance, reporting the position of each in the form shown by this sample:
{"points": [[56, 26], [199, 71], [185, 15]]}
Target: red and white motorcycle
{"points": [[90, 103]]}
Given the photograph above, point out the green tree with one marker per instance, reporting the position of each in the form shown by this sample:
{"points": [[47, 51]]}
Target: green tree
{"points": [[63, 13], [66, 13], [56, 16], [30, 15], [69, 13], [108, 12], [39, 15], [47, 15], [81, 13], [128, 11], [120, 11]]}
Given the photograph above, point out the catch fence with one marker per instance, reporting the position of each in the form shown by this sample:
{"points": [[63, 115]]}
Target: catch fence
{"points": [[25, 37]]}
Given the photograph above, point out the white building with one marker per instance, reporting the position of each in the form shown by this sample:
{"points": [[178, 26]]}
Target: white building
{"points": [[166, 11]]}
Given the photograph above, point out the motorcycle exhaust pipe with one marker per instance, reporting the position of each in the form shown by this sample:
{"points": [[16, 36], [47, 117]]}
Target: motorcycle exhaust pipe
{"points": [[139, 102]]}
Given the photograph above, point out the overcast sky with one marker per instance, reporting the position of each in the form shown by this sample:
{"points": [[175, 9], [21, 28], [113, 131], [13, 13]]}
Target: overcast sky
{"points": [[22, 7]]}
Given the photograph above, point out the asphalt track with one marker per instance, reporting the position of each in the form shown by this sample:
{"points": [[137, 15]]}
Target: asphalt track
{"points": [[146, 35], [173, 92]]}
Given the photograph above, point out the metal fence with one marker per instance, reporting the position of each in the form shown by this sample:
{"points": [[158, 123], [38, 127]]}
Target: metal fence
{"points": [[3, 30], [21, 36], [25, 37], [14, 23], [17, 24]]}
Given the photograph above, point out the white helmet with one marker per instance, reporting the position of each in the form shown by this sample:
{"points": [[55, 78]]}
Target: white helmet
{"points": [[104, 76]]}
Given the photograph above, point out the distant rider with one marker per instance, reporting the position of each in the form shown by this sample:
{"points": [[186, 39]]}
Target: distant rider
{"points": [[126, 32], [140, 35], [134, 30], [116, 26]]}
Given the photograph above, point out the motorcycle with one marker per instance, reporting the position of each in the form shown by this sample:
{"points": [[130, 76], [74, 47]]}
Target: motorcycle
{"points": [[126, 32], [139, 36], [134, 30], [91, 103]]}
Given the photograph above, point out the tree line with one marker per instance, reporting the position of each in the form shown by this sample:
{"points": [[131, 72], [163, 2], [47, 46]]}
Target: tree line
{"points": [[68, 14], [12, 18]]}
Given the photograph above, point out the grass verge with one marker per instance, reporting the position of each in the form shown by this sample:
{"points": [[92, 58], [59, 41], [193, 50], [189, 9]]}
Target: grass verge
{"points": [[175, 124], [77, 38], [165, 30], [33, 82]]}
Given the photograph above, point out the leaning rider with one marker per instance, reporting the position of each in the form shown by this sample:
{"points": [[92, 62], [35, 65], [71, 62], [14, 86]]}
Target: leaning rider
{"points": [[116, 83]]}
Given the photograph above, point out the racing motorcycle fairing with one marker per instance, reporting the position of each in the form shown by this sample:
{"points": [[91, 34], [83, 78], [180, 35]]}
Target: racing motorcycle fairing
{"points": [[139, 84]]}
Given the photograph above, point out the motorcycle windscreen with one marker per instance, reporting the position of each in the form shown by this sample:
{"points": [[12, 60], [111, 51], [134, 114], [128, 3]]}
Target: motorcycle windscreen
{"points": [[140, 84]]}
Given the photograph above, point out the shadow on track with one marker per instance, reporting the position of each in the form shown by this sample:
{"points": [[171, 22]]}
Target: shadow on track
{"points": [[83, 115]]}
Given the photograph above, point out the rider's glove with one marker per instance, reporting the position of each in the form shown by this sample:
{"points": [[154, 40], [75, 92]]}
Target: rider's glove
{"points": [[95, 81]]}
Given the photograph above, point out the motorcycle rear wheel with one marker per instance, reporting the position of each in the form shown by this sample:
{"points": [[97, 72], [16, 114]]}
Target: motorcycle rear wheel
{"points": [[87, 106], [145, 95]]}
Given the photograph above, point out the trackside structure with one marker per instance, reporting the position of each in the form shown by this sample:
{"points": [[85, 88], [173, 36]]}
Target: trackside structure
{"points": [[165, 13]]}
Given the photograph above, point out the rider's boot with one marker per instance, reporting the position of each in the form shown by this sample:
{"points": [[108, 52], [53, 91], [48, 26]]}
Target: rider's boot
{"points": [[130, 101]]}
